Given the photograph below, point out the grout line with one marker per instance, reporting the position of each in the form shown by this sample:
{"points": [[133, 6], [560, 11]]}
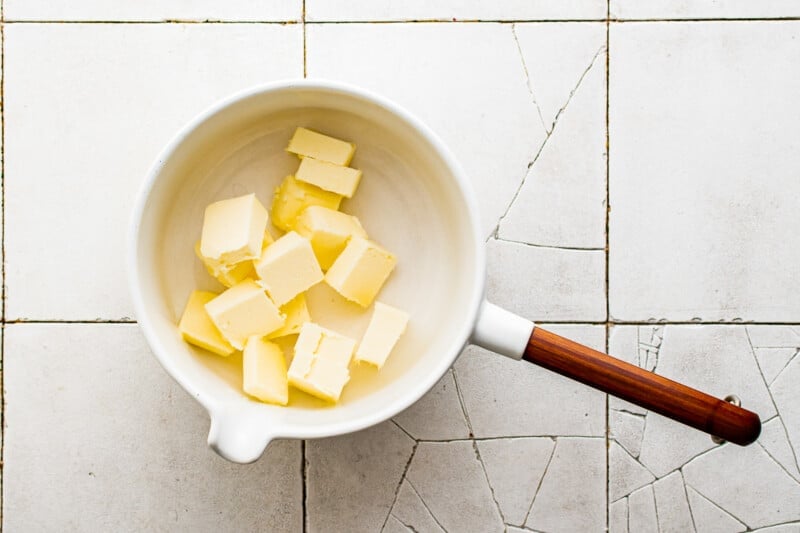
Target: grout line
{"points": [[304, 472], [414, 21], [543, 321], [607, 217], [3, 260], [68, 321], [305, 42]]}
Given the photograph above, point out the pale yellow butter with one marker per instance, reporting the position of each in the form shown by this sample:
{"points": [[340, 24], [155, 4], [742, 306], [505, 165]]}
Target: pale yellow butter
{"points": [[228, 275], [328, 176], [197, 328], [320, 363], [293, 196], [264, 371], [309, 143], [328, 231], [233, 230], [288, 267], [297, 314], [242, 311], [383, 332], [360, 270]]}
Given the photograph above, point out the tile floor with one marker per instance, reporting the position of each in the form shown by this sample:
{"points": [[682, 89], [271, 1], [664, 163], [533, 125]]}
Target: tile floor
{"points": [[638, 169]]}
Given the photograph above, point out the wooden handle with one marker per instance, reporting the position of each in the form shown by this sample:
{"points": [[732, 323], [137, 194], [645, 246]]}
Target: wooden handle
{"points": [[646, 389]]}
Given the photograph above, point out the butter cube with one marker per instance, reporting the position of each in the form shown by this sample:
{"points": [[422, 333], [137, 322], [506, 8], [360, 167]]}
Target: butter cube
{"points": [[321, 358], [328, 176], [264, 371], [328, 231], [288, 267], [197, 328], [228, 275], [293, 196], [309, 143], [296, 312], [242, 311], [360, 271], [233, 230], [383, 332]]}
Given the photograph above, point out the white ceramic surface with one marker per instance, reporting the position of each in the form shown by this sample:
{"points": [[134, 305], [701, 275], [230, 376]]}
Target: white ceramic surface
{"points": [[415, 200]]}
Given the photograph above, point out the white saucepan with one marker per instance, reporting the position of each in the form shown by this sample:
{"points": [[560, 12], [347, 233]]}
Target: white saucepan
{"points": [[414, 199]]}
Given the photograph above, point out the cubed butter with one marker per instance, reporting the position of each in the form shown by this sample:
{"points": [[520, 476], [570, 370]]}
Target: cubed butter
{"points": [[264, 371], [328, 176], [308, 143], [360, 270], [288, 267], [242, 311], [321, 358], [228, 275], [293, 196], [233, 230], [328, 231], [383, 332], [296, 312], [267, 240], [197, 328]]}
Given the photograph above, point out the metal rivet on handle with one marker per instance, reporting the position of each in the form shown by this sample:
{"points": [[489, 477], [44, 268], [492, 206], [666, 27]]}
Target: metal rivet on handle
{"points": [[735, 400]]}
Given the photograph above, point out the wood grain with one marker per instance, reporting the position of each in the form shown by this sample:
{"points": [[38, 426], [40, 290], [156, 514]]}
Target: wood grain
{"points": [[646, 389]]}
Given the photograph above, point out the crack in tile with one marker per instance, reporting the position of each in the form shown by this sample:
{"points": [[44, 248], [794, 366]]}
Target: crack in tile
{"points": [[792, 358], [774, 460], [649, 351], [400, 484], [551, 247], [408, 527], [463, 406], [689, 505], [715, 504], [627, 412], [549, 133], [771, 398], [528, 82], [488, 483], [425, 505], [541, 480], [401, 428]]}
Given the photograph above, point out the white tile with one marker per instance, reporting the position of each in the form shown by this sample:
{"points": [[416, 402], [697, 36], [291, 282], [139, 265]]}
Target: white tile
{"points": [[627, 429], [710, 518], [625, 473], [76, 155], [572, 495], [679, 9], [786, 393], [410, 510], [507, 398], [703, 165], [437, 415], [762, 336], [515, 468], [672, 505], [547, 283], [352, 479], [450, 480], [642, 511], [775, 442], [746, 483], [97, 430], [556, 58], [465, 80], [714, 359], [562, 201], [618, 516], [364, 10], [153, 10], [783, 528]]}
